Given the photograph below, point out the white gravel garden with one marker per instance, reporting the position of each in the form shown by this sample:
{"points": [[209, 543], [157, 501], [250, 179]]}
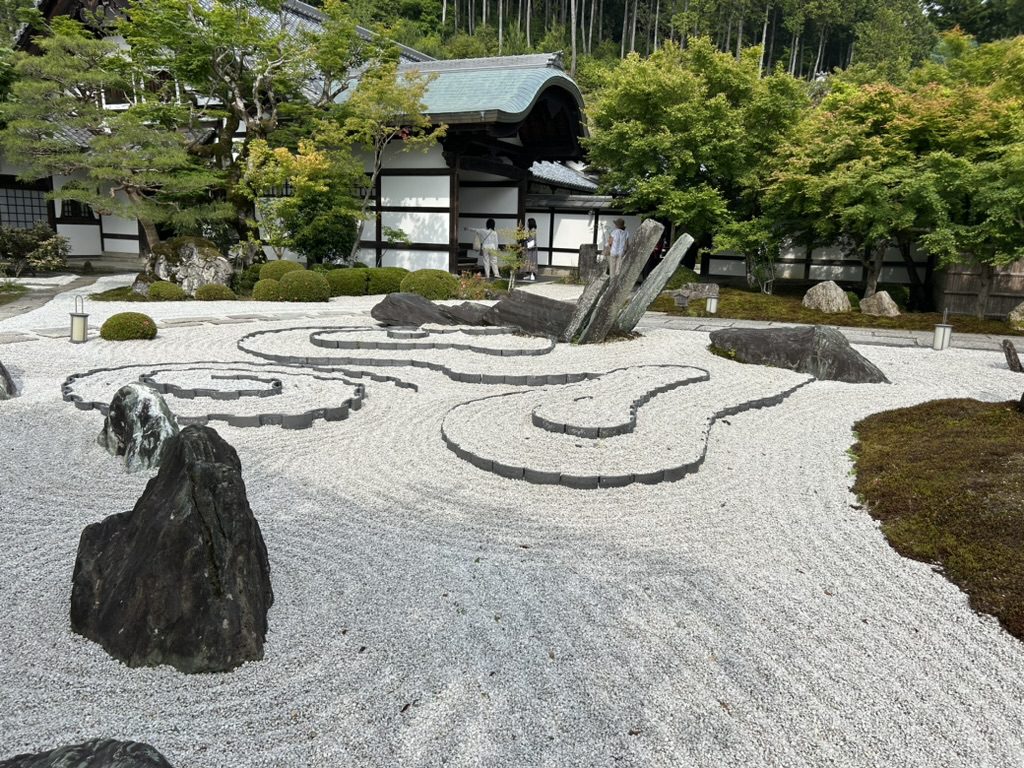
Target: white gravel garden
{"points": [[429, 611]]}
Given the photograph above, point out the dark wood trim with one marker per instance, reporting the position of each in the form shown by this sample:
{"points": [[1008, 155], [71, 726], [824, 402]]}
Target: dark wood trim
{"points": [[485, 216], [414, 172], [521, 204], [490, 166], [384, 245], [378, 225], [551, 236], [136, 238], [486, 184], [414, 209]]}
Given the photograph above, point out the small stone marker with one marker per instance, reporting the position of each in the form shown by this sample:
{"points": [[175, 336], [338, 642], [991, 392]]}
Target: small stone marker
{"points": [[1012, 361]]}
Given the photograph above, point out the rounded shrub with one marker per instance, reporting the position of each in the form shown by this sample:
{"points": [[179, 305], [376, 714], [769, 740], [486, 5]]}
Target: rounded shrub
{"points": [[348, 282], [304, 286], [275, 270], [267, 290], [128, 325], [215, 292], [162, 290], [433, 284], [385, 279], [242, 282], [681, 276]]}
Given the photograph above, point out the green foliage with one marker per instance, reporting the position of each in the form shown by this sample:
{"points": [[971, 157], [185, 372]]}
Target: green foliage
{"points": [[348, 282], [898, 293], [36, 249], [275, 270], [681, 276], [854, 300], [384, 279], [433, 284], [244, 281], [266, 290], [125, 326], [162, 290], [472, 287], [304, 285], [124, 293], [214, 292]]}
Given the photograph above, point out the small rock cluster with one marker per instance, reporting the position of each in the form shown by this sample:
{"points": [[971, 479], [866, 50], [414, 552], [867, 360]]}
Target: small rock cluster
{"points": [[829, 298]]}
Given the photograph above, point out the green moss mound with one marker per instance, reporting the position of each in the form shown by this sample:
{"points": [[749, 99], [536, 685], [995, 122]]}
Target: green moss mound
{"points": [[302, 285], [385, 279], [123, 293], [275, 270], [433, 284], [171, 250], [680, 277], [128, 325], [348, 282], [267, 290], [243, 281], [944, 480], [165, 291], [215, 292]]}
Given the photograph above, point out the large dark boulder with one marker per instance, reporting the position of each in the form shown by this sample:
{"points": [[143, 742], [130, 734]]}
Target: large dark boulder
{"points": [[409, 309], [467, 313], [531, 313], [137, 427], [182, 579], [822, 352], [7, 388], [96, 753]]}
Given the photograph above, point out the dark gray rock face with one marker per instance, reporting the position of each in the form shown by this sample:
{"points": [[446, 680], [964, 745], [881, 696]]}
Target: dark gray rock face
{"points": [[409, 309], [137, 427], [96, 753], [142, 282], [589, 266], [688, 291], [467, 313], [183, 578], [1012, 359], [822, 352], [7, 388], [532, 314]]}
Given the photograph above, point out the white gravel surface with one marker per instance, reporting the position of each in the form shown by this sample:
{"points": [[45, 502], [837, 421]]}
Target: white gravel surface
{"points": [[429, 613]]}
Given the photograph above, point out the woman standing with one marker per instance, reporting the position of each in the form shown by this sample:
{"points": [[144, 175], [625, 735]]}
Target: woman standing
{"points": [[530, 250]]}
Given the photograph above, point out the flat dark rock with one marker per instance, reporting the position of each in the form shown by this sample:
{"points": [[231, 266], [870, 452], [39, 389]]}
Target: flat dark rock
{"points": [[96, 753], [531, 313], [467, 313], [137, 426], [820, 351], [409, 309], [7, 388], [183, 578]]}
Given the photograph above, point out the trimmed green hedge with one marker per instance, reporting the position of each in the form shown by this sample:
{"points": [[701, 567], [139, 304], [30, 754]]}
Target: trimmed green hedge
{"points": [[243, 281], [162, 290], [128, 325], [275, 270], [433, 284], [348, 282], [304, 286], [215, 292], [385, 279], [267, 290]]}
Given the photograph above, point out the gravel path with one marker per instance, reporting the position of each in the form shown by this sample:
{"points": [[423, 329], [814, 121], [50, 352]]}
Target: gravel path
{"points": [[430, 613]]}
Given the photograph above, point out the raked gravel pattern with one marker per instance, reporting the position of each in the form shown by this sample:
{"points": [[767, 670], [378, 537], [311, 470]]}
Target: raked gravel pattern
{"points": [[429, 613]]}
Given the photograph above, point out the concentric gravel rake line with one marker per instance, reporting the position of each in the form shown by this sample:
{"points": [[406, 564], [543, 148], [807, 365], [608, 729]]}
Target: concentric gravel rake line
{"points": [[583, 481], [399, 346]]}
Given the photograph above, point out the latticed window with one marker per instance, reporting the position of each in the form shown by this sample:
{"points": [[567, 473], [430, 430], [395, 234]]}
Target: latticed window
{"points": [[22, 208]]}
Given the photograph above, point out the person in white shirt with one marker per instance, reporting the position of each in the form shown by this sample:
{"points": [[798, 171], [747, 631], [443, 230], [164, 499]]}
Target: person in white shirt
{"points": [[488, 248], [618, 239]]}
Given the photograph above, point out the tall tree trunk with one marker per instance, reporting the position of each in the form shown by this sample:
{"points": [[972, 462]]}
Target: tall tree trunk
{"points": [[849, 57], [590, 32], [873, 267], [682, 29], [501, 28], [657, 17], [572, 23], [793, 46], [821, 49], [739, 36], [764, 39], [771, 47], [632, 34], [529, 15], [988, 272], [728, 32], [625, 28], [444, 11]]}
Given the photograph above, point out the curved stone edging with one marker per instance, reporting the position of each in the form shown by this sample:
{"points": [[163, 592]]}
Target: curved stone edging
{"points": [[594, 433], [667, 475], [398, 346], [185, 393], [302, 420]]}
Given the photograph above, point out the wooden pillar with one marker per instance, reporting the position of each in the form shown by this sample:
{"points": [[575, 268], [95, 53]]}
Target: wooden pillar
{"points": [[453, 217]]}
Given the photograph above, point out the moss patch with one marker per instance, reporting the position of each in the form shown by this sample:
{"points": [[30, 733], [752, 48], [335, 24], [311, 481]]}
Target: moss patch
{"points": [[785, 306], [10, 291], [946, 481], [124, 293]]}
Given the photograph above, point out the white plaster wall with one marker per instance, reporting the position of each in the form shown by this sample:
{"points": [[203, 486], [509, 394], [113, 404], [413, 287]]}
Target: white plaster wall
{"points": [[367, 256], [789, 271], [413, 260], [84, 239], [489, 200], [395, 157], [850, 273], [724, 268], [418, 227], [430, 191], [120, 246], [117, 225]]}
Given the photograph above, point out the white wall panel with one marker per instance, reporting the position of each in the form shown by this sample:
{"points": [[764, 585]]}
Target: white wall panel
{"points": [[84, 238], [413, 260], [394, 157], [116, 225], [726, 268], [489, 200], [418, 227], [367, 256], [851, 273], [120, 246], [429, 191], [571, 231]]}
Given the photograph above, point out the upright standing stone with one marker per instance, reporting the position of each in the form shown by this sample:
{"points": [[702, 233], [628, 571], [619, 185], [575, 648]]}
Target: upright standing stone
{"points": [[880, 305], [590, 268], [1015, 317], [653, 285], [585, 305], [827, 297], [610, 304], [138, 426], [96, 753], [7, 388], [1012, 360], [183, 578]]}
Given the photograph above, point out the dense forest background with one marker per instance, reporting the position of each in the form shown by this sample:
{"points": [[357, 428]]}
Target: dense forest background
{"points": [[807, 38]]}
